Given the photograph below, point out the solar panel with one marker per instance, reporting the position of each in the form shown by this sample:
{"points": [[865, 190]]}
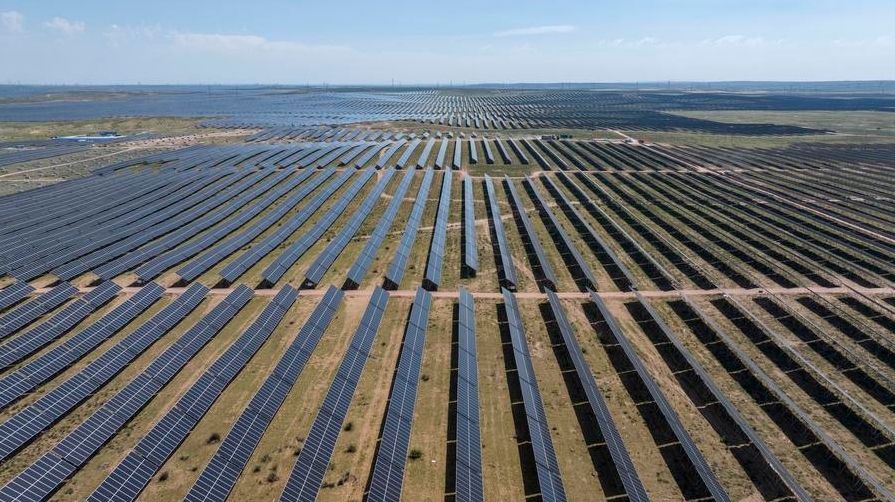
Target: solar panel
{"points": [[335, 247], [25, 314], [593, 238], [424, 157], [442, 152], [680, 432], [402, 161], [14, 293], [220, 251], [570, 254], [307, 474], [368, 253], [530, 236], [617, 450], [129, 478], [254, 254], [297, 249], [504, 155], [489, 155], [473, 154], [470, 247], [468, 467], [398, 265], [549, 477], [391, 456], [507, 270], [435, 263], [58, 324], [22, 427], [389, 153], [458, 154]]}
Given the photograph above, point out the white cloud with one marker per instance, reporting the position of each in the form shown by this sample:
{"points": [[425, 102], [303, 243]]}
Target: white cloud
{"points": [[12, 21], [624, 42], [118, 35], [215, 42], [735, 40], [536, 30], [65, 26]]}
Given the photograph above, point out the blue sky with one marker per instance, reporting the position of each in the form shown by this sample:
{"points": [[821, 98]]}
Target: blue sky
{"points": [[350, 41]]}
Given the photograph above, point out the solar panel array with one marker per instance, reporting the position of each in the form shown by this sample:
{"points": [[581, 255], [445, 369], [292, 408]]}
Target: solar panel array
{"points": [[530, 235], [470, 246], [313, 461], [468, 469], [627, 280], [473, 153], [191, 229], [129, 478], [435, 263], [14, 293], [391, 457], [245, 261], [58, 324], [360, 266], [549, 478], [402, 160], [216, 254], [617, 450], [507, 269], [297, 249], [83, 442], [22, 427], [154, 267], [16, 384], [335, 247], [680, 432], [383, 160], [25, 314], [398, 265], [424, 156], [362, 161], [221, 473], [568, 249]]}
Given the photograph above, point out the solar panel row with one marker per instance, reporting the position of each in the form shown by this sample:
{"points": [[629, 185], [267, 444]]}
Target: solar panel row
{"points": [[129, 478], [704, 472], [17, 383], [307, 474], [507, 271], [389, 153], [530, 236], [468, 469], [22, 427], [217, 253], [159, 264], [368, 253], [391, 456], [136, 222], [473, 153], [572, 257], [458, 154], [187, 232], [405, 157], [25, 314], [362, 161], [80, 444], [184, 218], [470, 246], [297, 249], [617, 450], [335, 247], [58, 324], [489, 155], [14, 293], [427, 151], [398, 265], [254, 254], [549, 478], [594, 239], [435, 263], [219, 476], [504, 154], [442, 153]]}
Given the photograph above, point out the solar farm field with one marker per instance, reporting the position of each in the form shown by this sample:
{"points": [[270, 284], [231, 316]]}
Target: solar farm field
{"points": [[453, 309]]}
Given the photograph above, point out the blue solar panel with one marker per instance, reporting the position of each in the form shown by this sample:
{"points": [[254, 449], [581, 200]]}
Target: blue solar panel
{"points": [[549, 477], [507, 269], [398, 265], [391, 457], [468, 470], [530, 236], [307, 474], [435, 263], [219, 476]]}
